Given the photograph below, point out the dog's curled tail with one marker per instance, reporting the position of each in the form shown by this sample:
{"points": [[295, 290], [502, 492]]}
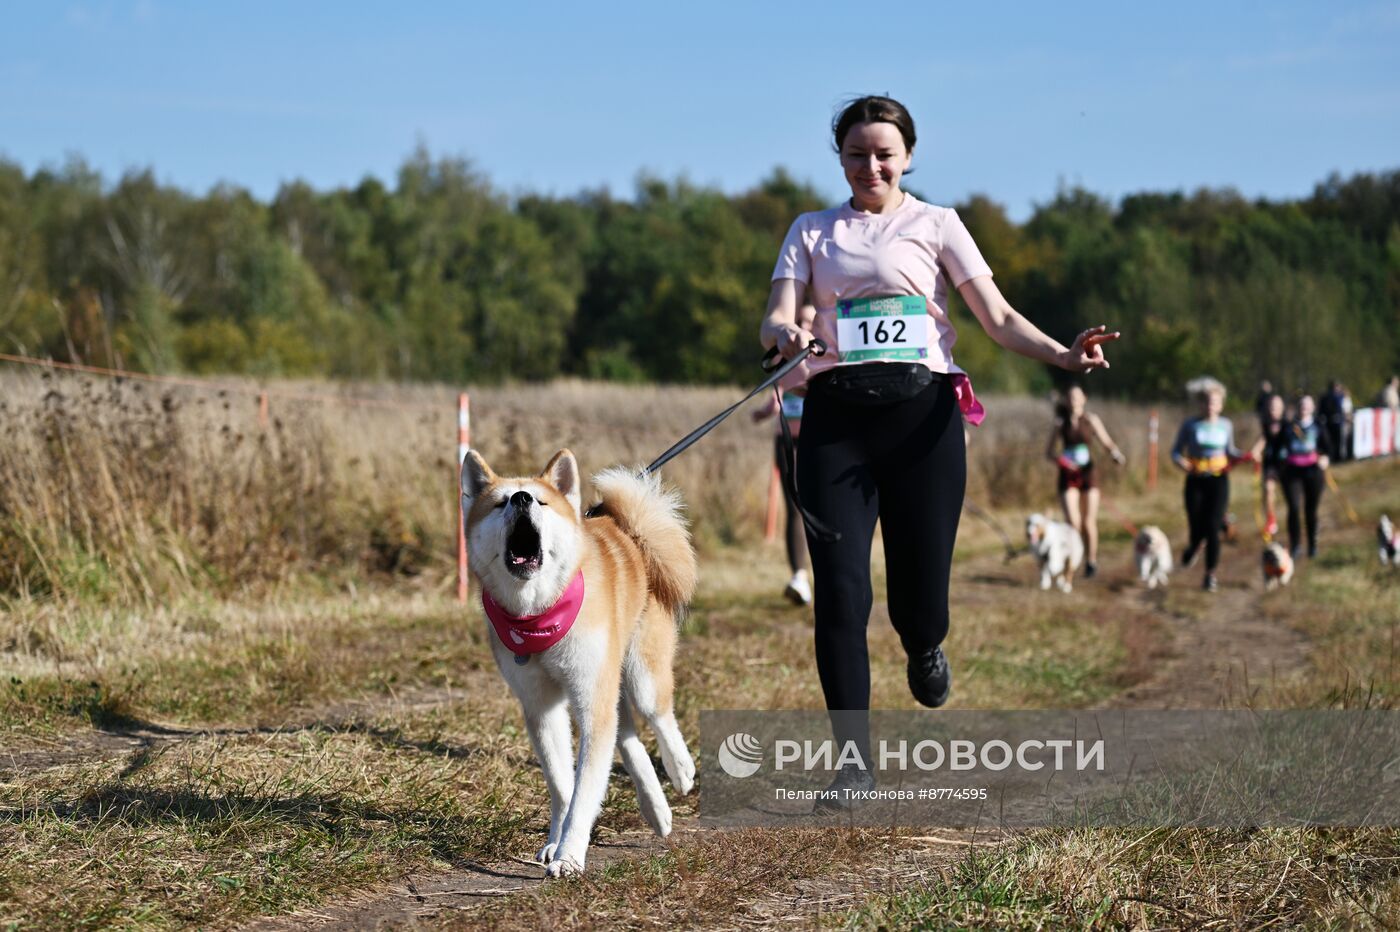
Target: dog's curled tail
{"points": [[650, 514]]}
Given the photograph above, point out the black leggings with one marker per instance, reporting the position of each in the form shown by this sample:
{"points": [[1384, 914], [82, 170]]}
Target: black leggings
{"points": [[1302, 485], [1207, 498], [903, 463], [794, 534]]}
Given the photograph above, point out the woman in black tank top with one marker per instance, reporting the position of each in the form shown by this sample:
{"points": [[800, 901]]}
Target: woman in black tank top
{"points": [[1269, 451], [1078, 482]]}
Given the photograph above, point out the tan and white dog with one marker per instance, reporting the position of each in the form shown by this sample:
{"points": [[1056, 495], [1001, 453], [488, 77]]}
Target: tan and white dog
{"points": [[1278, 567], [1059, 549], [1153, 553], [627, 570]]}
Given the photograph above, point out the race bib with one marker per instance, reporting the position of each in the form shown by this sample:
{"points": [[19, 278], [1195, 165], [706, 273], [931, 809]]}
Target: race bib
{"points": [[1078, 454], [1303, 440], [1212, 437], [792, 406], [882, 328]]}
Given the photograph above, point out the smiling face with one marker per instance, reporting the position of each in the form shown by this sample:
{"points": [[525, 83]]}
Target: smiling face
{"points": [[874, 158], [1306, 407], [524, 535]]}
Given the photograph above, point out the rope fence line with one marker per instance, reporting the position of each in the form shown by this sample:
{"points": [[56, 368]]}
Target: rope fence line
{"points": [[210, 385]]}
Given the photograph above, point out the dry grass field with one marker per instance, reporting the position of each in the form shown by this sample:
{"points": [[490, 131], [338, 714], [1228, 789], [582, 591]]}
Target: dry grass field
{"points": [[235, 688]]}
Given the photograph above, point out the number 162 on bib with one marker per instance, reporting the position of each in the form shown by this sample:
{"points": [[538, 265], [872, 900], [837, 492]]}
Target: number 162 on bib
{"points": [[882, 328]]}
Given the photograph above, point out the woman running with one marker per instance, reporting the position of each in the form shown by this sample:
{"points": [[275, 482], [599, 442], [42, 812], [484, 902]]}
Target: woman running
{"points": [[1308, 453], [1078, 483], [881, 435], [1270, 451], [1204, 450]]}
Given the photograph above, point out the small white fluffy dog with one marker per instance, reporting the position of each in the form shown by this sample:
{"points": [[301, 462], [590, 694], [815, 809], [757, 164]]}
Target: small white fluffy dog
{"points": [[1153, 553], [1388, 541], [1059, 549], [1278, 567]]}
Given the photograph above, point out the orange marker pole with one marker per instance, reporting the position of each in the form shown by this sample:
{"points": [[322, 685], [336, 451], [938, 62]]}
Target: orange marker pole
{"points": [[775, 492], [464, 444], [1152, 451]]}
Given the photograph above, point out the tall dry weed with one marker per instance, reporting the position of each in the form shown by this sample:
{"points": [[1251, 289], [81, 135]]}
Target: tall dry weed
{"points": [[123, 491]]}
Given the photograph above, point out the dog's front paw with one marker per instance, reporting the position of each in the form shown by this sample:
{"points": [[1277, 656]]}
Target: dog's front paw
{"points": [[684, 776], [546, 854], [564, 866]]}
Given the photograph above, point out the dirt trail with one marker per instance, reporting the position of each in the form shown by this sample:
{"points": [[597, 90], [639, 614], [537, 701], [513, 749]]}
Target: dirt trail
{"points": [[1218, 654], [1228, 654], [1206, 661], [425, 897], [1222, 657]]}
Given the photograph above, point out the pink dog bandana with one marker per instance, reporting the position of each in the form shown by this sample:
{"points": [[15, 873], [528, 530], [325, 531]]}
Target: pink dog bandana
{"points": [[532, 634]]}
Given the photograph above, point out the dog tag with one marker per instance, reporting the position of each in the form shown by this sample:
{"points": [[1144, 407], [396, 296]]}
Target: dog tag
{"points": [[882, 328], [522, 659]]}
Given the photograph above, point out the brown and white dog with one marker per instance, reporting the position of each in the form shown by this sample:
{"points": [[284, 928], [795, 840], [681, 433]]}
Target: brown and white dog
{"points": [[589, 606], [1059, 549], [1278, 567], [1153, 554]]}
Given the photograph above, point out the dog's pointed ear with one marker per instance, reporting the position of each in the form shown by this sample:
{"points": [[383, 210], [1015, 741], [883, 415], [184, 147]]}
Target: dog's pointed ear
{"points": [[476, 475], [562, 473]]}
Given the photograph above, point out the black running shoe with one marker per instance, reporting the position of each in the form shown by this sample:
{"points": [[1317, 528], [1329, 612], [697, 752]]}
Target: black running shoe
{"points": [[1312, 551], [1091, 570], [844, 792], [1209, 584], [930, 680]]}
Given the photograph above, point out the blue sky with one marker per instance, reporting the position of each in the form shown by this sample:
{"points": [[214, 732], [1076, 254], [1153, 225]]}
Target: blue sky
{"points": [[1011, 99]]}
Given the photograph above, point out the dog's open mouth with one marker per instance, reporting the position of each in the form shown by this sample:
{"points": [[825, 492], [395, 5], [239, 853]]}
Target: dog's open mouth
{"points": [[523, 553]]}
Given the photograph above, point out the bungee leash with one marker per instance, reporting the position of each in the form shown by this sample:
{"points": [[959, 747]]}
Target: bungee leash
{"points": [[775, 374], [1012, 552], [815, 348], [1117, 515], [1346, 505]]}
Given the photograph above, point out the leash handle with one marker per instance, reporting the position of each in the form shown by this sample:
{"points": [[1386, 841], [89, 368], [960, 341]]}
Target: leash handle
{"points": [[815, 348]]}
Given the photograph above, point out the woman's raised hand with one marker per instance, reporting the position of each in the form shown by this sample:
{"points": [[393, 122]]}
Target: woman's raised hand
{"points": [[1086, 354]]}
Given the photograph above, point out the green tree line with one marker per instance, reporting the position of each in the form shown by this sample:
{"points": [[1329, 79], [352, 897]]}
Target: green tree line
{"points": [[442, 277]]}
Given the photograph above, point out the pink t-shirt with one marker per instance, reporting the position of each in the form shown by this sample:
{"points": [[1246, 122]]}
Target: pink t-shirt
{"points": [[916, 249]]}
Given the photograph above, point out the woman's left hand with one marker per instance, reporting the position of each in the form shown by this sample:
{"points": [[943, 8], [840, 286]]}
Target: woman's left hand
{"points": [[1086, 354]]}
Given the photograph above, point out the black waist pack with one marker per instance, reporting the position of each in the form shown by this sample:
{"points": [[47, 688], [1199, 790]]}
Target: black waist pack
{"points": [[875, 383]]}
